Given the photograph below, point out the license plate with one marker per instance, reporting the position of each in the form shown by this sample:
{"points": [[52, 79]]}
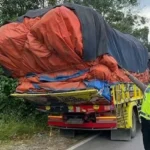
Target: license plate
{"points": [[75, 121]]}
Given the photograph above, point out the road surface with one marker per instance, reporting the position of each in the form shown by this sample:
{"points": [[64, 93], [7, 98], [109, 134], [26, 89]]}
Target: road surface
{"points": [[102, 142]]}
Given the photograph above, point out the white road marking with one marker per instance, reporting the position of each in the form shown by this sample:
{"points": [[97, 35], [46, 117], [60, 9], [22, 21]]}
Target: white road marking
{"points": [[82, 142]]}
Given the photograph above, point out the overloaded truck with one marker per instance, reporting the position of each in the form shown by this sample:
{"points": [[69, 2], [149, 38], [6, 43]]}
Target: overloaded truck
{"points": [[69, 62]]}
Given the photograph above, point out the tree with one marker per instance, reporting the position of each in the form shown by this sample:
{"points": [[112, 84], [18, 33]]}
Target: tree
{"points": [[52, 2], [10, 9], [141, 34]]}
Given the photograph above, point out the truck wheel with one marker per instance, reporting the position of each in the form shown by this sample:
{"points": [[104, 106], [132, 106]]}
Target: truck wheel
{"points": [[134, 125]]}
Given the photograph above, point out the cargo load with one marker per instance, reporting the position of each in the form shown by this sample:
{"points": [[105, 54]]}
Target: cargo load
{"points": [[66, 48]]}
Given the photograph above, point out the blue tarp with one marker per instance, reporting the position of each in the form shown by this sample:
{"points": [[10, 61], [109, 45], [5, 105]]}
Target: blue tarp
{"points": [[102, 86], [100, 38], [46, 78]]}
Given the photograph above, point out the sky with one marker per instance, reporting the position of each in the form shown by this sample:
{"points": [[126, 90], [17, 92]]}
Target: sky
{"points": [[143, 9]]}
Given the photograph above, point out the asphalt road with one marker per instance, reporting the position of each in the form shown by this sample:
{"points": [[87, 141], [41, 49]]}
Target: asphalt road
{"points": [[102, 142]]}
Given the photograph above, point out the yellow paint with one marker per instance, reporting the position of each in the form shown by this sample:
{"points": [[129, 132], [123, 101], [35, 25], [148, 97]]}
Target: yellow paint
{"points": [[96, 107], [127, 116], [109, 117], [86, 94], [55, 117], [70, 107], [47, 107]]}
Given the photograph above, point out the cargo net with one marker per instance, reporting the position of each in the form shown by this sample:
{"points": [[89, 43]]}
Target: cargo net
{"points": [[46, 55]]}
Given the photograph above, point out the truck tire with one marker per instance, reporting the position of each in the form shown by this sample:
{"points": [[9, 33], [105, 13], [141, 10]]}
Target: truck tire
{"points": [[134, 125]]}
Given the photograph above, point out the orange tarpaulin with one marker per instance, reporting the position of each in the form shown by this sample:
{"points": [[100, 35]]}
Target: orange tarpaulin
{"points": [[47, 44], [53, 45]]}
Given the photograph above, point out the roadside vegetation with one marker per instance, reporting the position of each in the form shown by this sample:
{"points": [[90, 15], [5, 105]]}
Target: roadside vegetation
{"points": [[17, 117]]}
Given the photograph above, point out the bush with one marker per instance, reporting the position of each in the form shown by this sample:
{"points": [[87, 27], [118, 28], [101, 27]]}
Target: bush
{"points": [[17, 117]]}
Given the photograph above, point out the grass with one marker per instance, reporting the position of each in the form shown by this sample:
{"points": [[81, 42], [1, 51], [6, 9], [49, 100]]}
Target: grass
{"points": [[13, 127], [18, 118]]}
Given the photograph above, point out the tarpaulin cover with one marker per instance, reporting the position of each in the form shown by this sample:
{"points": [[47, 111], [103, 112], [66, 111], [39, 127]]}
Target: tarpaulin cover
{"points": [[65, 48], [99, 38], [103, 87]]}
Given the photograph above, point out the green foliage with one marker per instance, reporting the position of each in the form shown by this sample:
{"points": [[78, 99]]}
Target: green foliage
{"points": [[13, 8], [17, 117], [52, 2], [142, 34], [14, 127], [8, 104]]}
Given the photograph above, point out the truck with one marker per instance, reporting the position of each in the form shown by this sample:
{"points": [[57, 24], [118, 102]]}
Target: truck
{"points": [[57, 57], [89, 110]]}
